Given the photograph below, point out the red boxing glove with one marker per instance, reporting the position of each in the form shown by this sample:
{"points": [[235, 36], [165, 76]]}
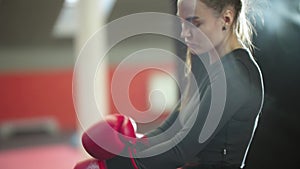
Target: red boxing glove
{"points": [[109, 137], [91, 164]]}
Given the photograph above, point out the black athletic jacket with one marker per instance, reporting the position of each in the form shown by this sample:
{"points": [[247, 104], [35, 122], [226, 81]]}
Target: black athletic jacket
{"points": [[185, 138]]}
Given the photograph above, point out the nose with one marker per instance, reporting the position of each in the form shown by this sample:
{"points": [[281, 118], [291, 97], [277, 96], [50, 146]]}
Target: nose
{"points": [[185, 31]]}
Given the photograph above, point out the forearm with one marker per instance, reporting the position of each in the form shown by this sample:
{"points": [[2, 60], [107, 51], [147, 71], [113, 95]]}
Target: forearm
{"points": [[165, 131], [165, 125]]}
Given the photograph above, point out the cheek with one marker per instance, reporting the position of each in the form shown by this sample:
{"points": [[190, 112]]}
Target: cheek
{"points": [[217, 33], [204, 37], [202, 42], [214, 35]]}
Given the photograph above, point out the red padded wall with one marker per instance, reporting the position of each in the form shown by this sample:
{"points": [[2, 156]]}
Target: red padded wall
{"points": [[49, 94], [36, 94]]}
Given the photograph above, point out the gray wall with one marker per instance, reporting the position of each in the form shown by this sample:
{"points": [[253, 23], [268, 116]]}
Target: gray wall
{"points": [[36, 57]]}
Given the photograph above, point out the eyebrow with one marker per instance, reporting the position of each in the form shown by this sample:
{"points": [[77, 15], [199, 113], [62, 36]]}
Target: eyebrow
{"points": [[190, 19]]}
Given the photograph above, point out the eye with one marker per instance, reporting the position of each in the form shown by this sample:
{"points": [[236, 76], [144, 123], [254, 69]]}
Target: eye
{"points": [[192, 20], [196, 23]]}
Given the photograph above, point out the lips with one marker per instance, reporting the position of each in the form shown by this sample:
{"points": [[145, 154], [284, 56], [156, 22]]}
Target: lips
{"points": [[190, 45], [188, 42]]}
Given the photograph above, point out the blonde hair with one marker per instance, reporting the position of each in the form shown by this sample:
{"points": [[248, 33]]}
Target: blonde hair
{"points": [[241, 24], [242, 27]]}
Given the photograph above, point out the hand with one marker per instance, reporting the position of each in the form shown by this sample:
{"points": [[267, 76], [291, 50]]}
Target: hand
{"points": [[109, 137]]}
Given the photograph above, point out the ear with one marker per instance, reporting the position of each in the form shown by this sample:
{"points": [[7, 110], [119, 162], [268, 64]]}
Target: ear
{"points": [[228, 17]]}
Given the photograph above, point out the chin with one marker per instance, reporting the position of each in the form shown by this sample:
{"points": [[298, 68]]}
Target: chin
{"points": [[198, 52]]}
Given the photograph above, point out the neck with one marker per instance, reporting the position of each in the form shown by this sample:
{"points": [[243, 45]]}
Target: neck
{"points": [[229, 44]]}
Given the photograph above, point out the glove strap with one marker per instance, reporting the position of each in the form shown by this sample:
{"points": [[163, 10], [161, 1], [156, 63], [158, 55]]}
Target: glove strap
{"points": [[132, 158], [102, 165]]}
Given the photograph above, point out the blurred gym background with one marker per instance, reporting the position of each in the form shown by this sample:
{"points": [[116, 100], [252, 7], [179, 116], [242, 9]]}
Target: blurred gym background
{"points": [[39, 43]]}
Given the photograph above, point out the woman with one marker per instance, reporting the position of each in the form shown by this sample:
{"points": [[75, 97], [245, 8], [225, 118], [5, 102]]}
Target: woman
{"points": [[215, 31]]}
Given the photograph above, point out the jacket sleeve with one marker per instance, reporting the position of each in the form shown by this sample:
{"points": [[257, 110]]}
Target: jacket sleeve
{"points": [[165, 125], [187, 143], [158, 135]]}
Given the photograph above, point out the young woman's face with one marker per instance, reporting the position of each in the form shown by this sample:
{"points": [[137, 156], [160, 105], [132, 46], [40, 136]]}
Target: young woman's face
{"points": [[201, 26]]}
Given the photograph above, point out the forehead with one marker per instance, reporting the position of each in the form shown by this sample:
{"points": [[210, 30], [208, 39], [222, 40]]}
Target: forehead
{"points": [[190, 8]]}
